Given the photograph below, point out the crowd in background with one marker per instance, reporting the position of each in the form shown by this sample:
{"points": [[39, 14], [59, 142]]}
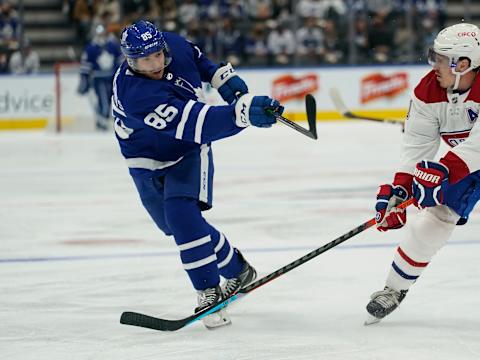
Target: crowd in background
{"points": [[16, 54], [270, 32]]}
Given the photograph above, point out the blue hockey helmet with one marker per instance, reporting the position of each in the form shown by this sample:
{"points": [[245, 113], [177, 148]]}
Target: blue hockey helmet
{"points": [[141, 39]]}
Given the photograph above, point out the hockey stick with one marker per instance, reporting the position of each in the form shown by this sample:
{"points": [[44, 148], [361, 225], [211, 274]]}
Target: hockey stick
{"points": [[311, 107], [146, 321], [345, 111]]}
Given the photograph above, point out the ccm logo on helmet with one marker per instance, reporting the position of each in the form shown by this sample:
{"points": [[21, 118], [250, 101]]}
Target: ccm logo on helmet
{"points": [[426, 176], [467, 33]]}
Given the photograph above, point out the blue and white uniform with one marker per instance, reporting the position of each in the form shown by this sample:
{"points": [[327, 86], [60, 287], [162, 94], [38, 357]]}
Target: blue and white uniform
{"points": [[164, 131], [100, 60]]}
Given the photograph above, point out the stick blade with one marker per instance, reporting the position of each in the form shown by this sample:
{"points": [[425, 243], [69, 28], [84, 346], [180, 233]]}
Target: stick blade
{"points": [[311, 106], [150, 322], [338, 102]]}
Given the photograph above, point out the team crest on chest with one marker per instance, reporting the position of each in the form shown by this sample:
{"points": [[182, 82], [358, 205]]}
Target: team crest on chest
{"points": [[455, 138], [472, 114]]}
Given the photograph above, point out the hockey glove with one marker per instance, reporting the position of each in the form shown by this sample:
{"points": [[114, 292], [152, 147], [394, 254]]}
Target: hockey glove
{"points": [[228, 83], [429, 179], [256, 111], [84, 85], [388, 216]]}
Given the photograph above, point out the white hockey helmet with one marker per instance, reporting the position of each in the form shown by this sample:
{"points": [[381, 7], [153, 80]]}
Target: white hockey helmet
{"points": [[455, 42]]}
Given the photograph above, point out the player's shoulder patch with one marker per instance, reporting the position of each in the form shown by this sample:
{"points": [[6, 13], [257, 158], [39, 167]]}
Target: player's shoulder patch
{"points": [[474, 94], [429, 91]]}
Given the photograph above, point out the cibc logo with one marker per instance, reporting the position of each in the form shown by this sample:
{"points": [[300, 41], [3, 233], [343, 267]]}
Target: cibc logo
{"points": [[467, 33]]}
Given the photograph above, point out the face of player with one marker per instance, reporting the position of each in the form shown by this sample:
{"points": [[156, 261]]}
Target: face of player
{"points": [[443, 71], [152, 66]]}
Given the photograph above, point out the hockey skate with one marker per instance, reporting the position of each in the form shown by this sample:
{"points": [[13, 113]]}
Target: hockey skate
{"points": [[208, 297], [382, 303], [246, 276]]}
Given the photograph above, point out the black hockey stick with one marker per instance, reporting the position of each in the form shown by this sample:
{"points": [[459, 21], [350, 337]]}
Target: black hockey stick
{"points": [[345, 111], [146, 321], [311, 107]]}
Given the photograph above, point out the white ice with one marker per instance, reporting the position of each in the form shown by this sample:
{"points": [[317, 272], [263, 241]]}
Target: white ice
{"points": [[77, 249]]}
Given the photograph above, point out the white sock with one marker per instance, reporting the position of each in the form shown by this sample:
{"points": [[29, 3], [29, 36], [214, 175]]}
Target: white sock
{"points": [[426, 234]]}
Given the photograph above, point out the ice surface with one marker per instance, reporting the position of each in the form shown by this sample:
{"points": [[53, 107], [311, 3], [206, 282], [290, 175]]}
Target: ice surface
{"points": [[77, 249]]}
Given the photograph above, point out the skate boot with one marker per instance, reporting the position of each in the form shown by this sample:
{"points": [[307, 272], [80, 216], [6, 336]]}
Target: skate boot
{"points": [[234, 285], [382, 303], [208, 297]]}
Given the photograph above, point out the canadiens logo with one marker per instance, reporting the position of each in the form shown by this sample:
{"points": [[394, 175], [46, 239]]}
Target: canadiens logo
{"points": [[455, 138], [472, 114]]}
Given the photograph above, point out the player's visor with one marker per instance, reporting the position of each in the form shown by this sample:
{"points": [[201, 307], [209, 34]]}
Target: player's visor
{"points": [[437, 59]]}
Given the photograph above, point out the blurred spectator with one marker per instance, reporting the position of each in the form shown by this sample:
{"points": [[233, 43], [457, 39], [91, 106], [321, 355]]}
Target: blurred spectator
{"points": [[310, 43], [24, 61], [334, 46], [260, 9], [281, 44], [307, 8], [83, 14], [3, 61], [402, 41], [361, 40], [202, 35], [135, 9], [112, 7], [165, 11], [256, 48], [320, 8], [380, 38], [234, 9], [9, 26], [384, 7], [230, 42], [188, 11]]}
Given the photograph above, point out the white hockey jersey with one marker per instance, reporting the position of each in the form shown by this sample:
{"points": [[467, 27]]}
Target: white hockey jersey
{"points": [[436, 113]]}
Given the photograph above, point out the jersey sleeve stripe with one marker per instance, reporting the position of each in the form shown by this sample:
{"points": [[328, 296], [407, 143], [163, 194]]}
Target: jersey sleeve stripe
{"points": [[199, 124], [183, 120], [116, 108]]}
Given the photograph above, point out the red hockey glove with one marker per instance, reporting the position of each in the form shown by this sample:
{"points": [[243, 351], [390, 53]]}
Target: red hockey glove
{"points": [[388, 216]]}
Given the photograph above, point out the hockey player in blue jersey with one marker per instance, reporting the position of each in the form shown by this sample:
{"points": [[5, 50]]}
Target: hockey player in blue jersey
{"points": [[165, 133], [100, 59]]}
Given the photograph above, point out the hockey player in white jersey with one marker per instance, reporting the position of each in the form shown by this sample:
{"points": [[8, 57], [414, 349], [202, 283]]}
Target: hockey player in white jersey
{"points": [[444, 106]]}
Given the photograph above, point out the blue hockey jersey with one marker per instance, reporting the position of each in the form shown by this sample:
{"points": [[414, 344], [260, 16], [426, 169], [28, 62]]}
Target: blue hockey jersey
{"points": [[157, 122], [101, 59]]}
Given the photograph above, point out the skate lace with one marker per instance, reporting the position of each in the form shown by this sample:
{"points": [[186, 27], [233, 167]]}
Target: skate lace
{"points": [[207, 297], [387, 298], [232, 286]]}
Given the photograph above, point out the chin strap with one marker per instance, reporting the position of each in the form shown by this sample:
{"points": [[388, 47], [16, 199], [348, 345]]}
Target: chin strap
{"points": [[458, 75]]}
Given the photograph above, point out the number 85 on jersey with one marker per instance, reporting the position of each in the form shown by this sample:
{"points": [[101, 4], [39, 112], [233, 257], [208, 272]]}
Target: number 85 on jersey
{"points": [[162, 115]]}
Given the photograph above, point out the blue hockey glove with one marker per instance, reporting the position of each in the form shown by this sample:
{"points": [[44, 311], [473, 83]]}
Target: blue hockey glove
{"points": [[256, 111], [228, 83], [84, 85], [429, 180]]}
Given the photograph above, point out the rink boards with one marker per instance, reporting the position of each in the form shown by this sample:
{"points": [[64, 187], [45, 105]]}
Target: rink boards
{"points": [[33, 102]]}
